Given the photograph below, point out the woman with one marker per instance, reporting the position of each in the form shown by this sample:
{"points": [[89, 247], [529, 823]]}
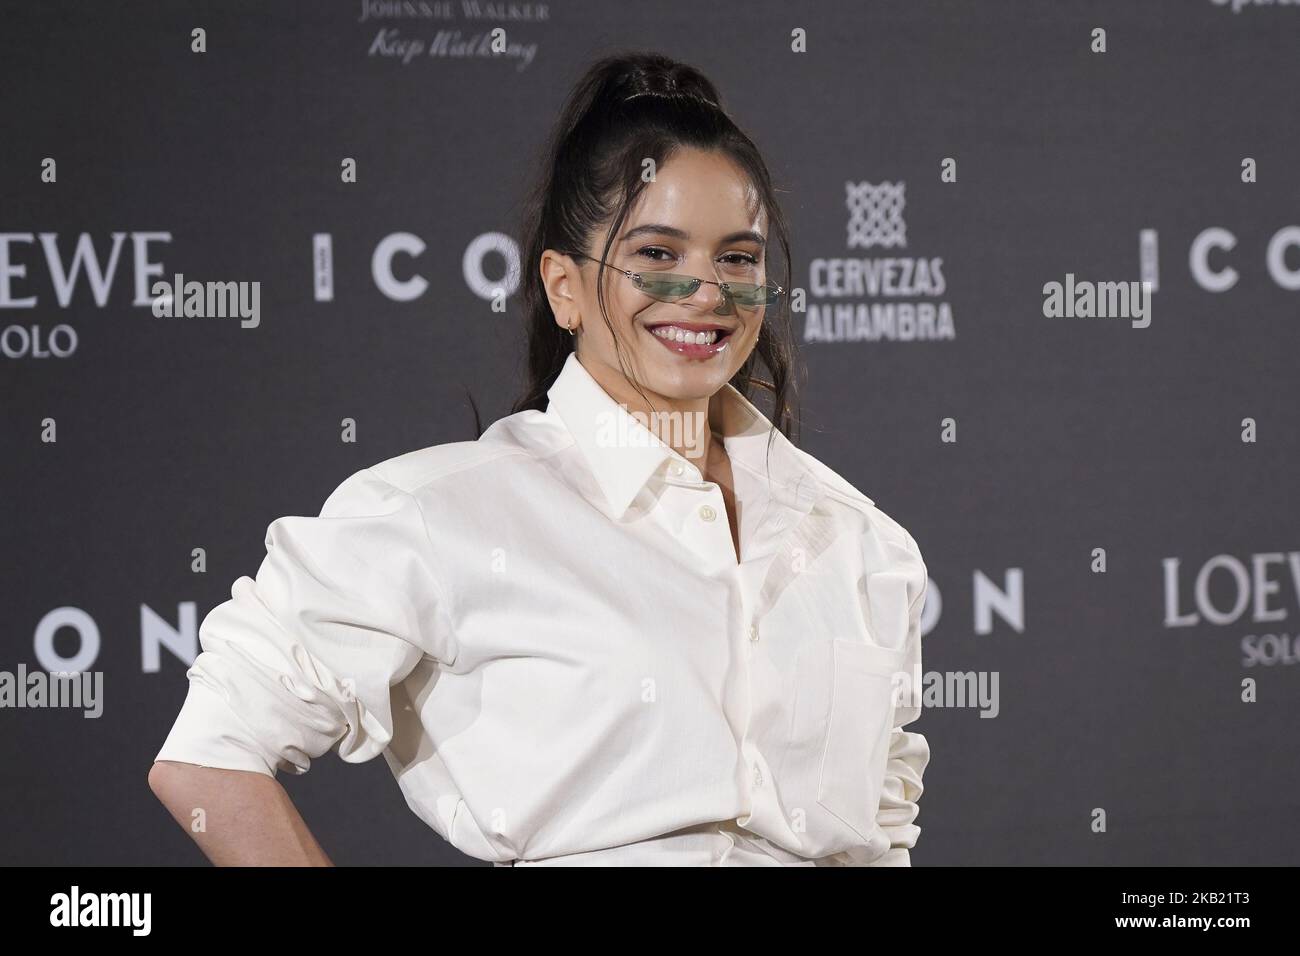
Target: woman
{"points": [[631, 623]]}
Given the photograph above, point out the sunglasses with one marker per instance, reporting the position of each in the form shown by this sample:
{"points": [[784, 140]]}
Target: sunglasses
{"points": [[669, 287]]}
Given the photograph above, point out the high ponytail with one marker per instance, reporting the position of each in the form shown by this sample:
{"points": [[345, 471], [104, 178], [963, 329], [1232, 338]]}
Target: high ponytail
{"points": [[624, 109]]}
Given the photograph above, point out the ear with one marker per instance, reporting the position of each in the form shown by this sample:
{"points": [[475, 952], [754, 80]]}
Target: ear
{"points": [[561, 280]]}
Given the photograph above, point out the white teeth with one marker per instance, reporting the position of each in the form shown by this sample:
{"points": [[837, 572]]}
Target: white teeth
{"points": [[674, 334]]}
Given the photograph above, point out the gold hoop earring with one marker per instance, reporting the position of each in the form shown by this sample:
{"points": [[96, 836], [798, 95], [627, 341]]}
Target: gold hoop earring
{"points": [[569, 325]]}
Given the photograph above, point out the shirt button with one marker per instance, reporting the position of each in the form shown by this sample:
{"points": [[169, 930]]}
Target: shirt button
{"points": [[675, 468], [707, 512], [758, 777], [753, 632]]}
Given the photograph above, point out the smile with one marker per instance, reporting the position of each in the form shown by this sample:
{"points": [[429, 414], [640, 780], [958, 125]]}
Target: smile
{"points": [[692, 342]]}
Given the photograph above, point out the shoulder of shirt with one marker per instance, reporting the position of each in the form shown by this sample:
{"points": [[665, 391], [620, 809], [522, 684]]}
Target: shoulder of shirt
{"points": [[414, 470], [840, 488]]}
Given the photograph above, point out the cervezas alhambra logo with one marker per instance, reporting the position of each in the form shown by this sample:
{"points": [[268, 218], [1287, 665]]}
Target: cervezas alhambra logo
{"points": [[873, 297]]}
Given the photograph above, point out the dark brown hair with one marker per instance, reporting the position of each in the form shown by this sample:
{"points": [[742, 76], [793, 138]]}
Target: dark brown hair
{"points": [[624, 109]]}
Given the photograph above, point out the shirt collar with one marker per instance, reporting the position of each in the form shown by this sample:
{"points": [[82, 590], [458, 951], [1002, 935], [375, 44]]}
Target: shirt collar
{"points": [[624, 465]]}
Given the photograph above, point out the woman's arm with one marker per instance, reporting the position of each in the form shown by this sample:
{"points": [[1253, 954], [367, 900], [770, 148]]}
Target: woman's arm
{"points": [[300, 661], [909, 751], [237, 817]]}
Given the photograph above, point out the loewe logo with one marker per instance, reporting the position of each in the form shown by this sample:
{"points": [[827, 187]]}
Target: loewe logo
{"points": [[102, 909]]}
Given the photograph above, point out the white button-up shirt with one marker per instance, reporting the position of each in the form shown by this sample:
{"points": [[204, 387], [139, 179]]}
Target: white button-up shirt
{"points": [[547, 634]]}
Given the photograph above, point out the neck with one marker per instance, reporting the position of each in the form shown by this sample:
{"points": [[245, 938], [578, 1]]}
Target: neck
{"points": [[684, 424]]}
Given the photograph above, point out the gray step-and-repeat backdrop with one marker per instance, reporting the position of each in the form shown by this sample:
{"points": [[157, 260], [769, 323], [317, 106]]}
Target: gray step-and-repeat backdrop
{"points": [[1051, 260]]}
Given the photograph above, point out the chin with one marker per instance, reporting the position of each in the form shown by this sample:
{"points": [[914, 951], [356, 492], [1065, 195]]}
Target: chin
{"points": [[687, 380]]}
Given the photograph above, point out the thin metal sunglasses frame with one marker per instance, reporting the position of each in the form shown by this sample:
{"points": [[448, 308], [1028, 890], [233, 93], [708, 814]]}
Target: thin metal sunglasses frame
{"points": [[728, 288]]}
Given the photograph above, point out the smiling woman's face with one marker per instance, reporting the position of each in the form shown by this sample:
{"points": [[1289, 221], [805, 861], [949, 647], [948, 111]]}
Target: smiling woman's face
{"points": [[701, 218]]}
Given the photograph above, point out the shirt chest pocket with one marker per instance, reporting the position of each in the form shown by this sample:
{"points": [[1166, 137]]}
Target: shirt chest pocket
{"points": [[845, 704]]}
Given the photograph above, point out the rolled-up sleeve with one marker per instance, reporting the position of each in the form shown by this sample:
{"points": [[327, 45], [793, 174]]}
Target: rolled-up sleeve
{"points": [[302, 658], [909, 752]]}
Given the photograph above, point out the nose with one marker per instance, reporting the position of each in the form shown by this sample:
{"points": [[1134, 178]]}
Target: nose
{"points": [[711, 294], [725, 305]]}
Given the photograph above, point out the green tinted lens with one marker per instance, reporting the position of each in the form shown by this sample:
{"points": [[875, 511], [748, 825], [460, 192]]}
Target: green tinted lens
{"points": [[748, 294], [663, 285]]}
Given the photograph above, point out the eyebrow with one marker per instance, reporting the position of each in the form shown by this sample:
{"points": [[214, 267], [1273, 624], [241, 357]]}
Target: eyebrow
{"points": [[658, 229]]}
